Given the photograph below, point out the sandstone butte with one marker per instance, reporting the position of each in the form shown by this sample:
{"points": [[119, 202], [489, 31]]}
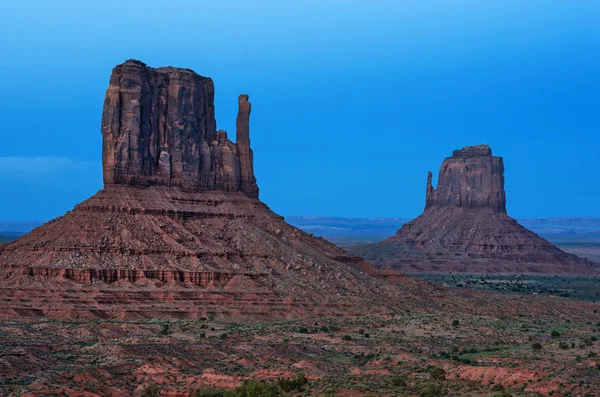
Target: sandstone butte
{"points": [[178, 229], [465, 228]]}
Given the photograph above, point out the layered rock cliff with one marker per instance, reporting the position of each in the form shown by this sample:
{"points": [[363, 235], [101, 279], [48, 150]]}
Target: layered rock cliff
{"points": [[159, 128], [470, 178]]}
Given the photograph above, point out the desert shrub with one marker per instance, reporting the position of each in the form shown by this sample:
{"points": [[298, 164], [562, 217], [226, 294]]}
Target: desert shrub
{"points": [[166, 330], [367, 336], [563, 345], [429, 389], [399, 381], [536, 346], [501, 394], [361, 331], [498, 387], [303, 330], [587, 341], [250, 388], [253, 388], [151, 391], [292, 384], [555, 334], [592, 355], [346, 337], [209, 393], [455, 323], [437, 374]]}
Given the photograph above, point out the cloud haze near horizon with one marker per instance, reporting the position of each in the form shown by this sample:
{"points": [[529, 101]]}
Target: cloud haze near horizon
{"points": [[353, 102]]}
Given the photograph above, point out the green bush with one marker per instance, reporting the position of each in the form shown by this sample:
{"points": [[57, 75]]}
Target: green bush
{"points": [[455, 323], [292, 384], [399, 381], [166, 330], [209, 393], [437, 374], [536, 346], [563, 345], [555, 334], [429, 389], [498, 387]]}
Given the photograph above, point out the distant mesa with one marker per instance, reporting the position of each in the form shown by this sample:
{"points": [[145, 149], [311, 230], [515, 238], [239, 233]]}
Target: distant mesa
{"points": [[178, 230], [465, 227]]}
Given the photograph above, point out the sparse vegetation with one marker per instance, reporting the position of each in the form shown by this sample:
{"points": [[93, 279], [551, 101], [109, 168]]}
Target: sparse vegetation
{"points": [[151, 390], [297, 383], [430, 389], [250, 388], [437, 374], [409, 358]]}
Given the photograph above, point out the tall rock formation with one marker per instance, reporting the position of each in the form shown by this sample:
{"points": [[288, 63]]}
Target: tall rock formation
{"points": [[470, 178], [465, 227], [178, 229], [159, 128], [242, 141]]}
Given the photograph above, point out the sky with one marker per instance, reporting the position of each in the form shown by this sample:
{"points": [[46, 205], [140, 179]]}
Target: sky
{"points": [[352, 101]]}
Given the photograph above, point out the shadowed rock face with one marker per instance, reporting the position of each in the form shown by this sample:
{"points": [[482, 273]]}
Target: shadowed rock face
{"points": [[159, 128], [470, 178]]}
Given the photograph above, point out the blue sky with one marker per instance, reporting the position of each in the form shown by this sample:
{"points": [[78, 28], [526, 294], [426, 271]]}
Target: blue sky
{"points": [[353, 101]]}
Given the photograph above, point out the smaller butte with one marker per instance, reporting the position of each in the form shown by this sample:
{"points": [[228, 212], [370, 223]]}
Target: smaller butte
{"points": [[465, 227]]}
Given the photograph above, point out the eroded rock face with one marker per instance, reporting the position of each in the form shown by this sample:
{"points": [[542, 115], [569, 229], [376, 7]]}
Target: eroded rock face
{"points": [[159, 128], [242, 140], [470, 178]]}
